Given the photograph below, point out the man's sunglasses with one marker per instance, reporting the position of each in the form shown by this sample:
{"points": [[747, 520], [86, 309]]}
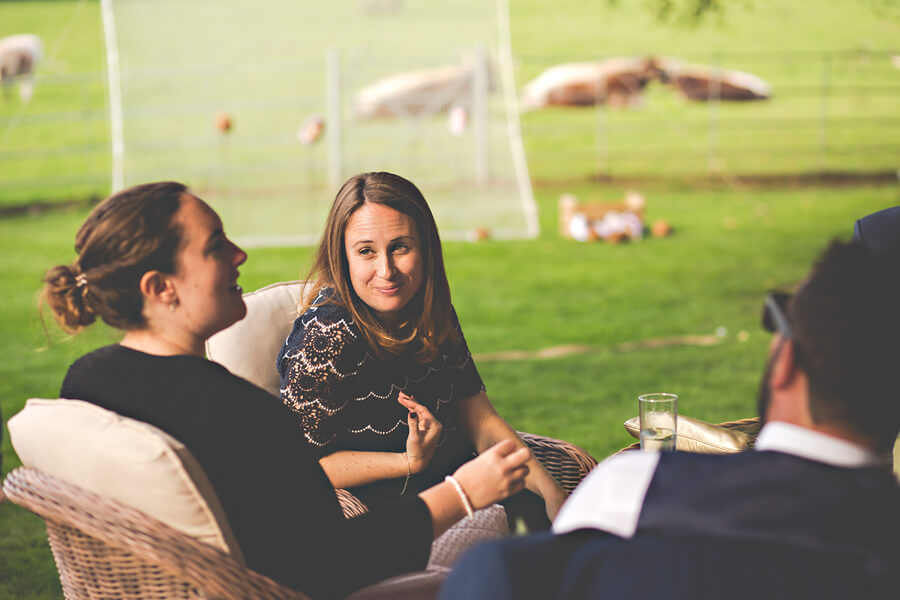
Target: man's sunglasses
{"points": [[774, 316]]}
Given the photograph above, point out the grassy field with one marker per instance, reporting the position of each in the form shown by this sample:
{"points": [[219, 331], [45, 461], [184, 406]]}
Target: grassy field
{"points": [[729, 246], [730, 243]]}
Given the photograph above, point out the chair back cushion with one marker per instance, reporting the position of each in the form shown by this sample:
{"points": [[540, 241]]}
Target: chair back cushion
{"points": [[127, 460], [249, 347]]}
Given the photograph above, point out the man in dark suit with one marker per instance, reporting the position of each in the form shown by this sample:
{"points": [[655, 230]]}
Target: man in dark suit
{"points": [[880, 231], [812, 512]]}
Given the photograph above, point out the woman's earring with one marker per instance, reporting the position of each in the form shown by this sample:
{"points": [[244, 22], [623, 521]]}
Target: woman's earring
{"points": [[173, 304]]}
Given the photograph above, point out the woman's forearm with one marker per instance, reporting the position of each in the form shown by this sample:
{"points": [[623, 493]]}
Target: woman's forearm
{"points": [[445, 506], [487, 427], [493, 429], [352, 468]]}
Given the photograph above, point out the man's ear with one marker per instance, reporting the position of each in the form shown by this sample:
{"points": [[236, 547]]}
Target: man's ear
{"points": [[784, 369], [158, 286]]}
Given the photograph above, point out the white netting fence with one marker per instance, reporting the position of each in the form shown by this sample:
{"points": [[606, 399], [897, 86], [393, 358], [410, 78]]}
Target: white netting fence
{"points": [[186, 67]]}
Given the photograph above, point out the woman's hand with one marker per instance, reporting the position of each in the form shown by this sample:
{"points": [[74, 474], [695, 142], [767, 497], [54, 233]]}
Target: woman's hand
{"points": [[495, 474], [424, 433]]}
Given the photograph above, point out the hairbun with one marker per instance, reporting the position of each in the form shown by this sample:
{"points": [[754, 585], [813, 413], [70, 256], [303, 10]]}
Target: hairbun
{"points": [[64, 291]]}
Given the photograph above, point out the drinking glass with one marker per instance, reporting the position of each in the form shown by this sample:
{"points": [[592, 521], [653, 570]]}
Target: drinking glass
{"points": [[659, 416]]}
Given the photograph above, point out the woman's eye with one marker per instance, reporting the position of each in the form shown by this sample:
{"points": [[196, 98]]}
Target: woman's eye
{"points": [[365, 251], [400, 247]]}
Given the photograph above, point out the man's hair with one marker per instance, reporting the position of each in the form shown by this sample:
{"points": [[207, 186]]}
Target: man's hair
{"points": [[846, 319]]}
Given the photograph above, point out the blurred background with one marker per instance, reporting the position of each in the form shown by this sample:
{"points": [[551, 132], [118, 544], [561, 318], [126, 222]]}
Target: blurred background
{"points": [[742, 136]]}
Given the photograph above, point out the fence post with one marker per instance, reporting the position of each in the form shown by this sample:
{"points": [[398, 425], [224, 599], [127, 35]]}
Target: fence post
{"points": [[480, 116], [114, 90], [333, 117], [602, 126], [714, 99], [823, 112]]}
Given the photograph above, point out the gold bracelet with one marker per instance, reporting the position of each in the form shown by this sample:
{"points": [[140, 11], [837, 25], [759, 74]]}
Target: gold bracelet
{"points": [[462, 494], [408, 473]]}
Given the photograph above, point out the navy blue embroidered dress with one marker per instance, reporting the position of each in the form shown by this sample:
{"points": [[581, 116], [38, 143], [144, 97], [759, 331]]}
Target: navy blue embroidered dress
{"points": [[346, 398]]}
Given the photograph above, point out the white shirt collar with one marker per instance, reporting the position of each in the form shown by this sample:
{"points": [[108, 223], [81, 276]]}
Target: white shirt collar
{"points": [[611, 496], [814, 445]]}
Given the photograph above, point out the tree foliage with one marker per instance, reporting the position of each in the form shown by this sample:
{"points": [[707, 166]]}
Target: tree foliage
{"points": [[684, 12], [691, 13]]}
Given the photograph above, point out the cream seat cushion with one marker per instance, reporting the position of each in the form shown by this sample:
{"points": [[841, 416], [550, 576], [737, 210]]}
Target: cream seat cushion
{"points": [[694, 435], [249, 347], [126, 460]]}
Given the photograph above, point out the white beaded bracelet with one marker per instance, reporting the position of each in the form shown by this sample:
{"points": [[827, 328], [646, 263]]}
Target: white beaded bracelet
{"points": [[408, 473], [462, 494]]}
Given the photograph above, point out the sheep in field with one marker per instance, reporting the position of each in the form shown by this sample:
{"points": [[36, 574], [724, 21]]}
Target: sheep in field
{"points": [[19, 57], [699, 82], [617, 82], [416, 93]]}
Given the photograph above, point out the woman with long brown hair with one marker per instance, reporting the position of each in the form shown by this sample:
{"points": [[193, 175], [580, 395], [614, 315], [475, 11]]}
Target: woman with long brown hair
{"points": [[154, 262], [377, 368]]}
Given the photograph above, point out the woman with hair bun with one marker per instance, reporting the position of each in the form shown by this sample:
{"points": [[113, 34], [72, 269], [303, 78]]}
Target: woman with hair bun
{"points": [[377, 368], [154, 262]]}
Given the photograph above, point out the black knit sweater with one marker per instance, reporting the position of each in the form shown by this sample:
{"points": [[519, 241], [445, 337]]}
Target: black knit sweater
{"points": [[278, 501]]}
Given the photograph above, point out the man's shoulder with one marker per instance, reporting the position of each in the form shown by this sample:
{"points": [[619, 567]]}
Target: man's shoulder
{"points": [[879, 231], [689, 472], [697, 460]]}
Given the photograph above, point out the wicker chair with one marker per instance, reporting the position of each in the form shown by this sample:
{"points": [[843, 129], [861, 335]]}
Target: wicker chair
{"points": [[131, 513], [248, 348], [104, 549]]}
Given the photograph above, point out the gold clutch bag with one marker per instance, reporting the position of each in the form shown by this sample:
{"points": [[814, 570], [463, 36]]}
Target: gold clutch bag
{"points": [[698, 436]]}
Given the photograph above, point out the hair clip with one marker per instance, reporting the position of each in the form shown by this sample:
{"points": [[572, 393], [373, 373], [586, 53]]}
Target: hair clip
{"points": [[80, 280]]}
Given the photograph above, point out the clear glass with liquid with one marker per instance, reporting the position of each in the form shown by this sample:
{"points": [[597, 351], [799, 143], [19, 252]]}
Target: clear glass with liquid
{"points": [[658, 440], [659, 418]]}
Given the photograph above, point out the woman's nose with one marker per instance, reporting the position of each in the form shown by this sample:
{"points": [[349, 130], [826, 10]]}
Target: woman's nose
{"points": [[385, 266], [240, 257]]}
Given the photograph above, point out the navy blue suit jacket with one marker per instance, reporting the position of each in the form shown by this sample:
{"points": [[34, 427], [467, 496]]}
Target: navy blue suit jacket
{"points": [[590, 564], [880, 232], [751, 525]]}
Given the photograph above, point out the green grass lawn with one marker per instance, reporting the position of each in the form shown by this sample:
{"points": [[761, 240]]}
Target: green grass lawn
{"points": [[730, 243], [729, 246]]}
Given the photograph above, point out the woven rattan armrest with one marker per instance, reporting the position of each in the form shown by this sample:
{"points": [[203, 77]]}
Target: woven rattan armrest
{"points": [[104, 549], [566, 462]]}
